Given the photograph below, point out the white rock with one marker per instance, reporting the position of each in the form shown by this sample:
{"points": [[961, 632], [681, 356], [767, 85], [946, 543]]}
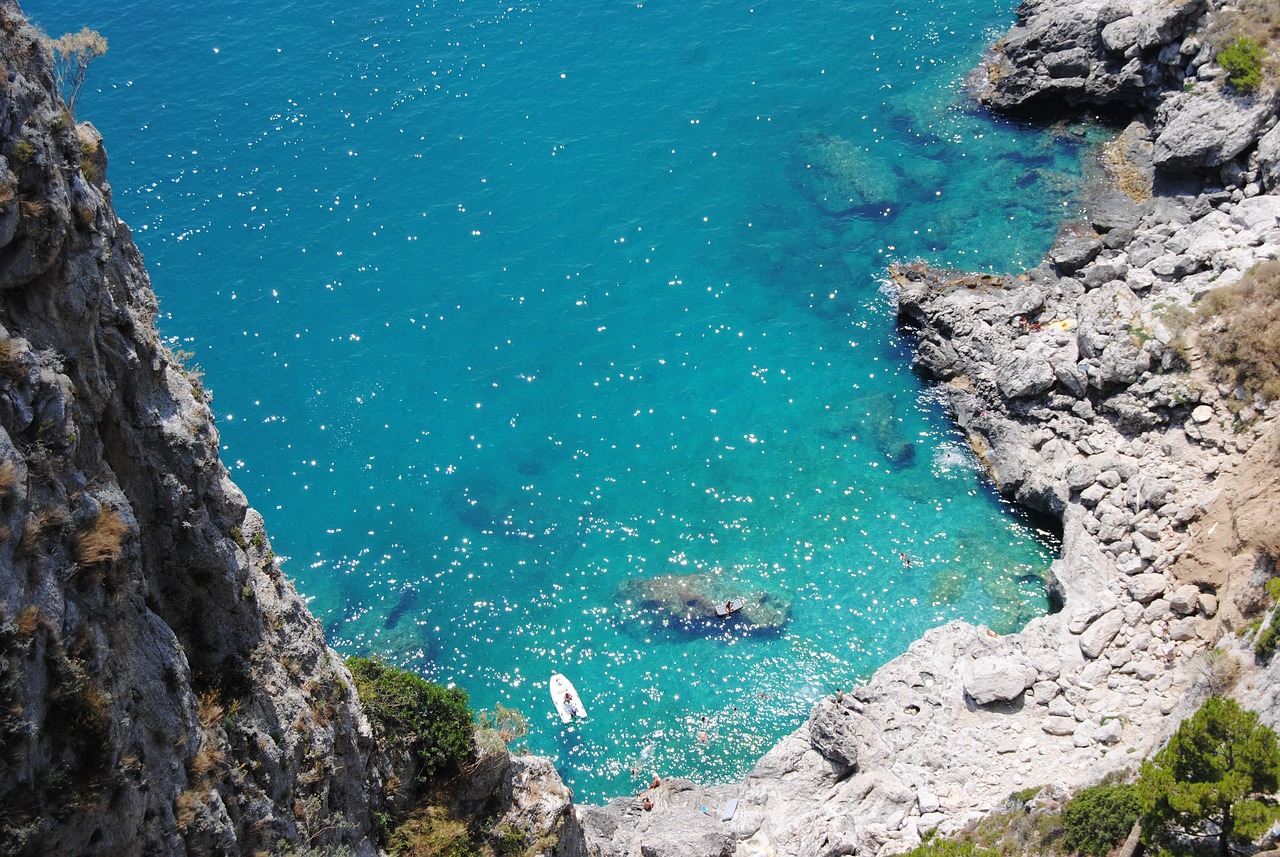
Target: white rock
{"points": [[1185, 600], [1100, 634], [996, 679], [1109, 732], [1209, 604], [1054, 725], [1146, 587], [1202, 414]]}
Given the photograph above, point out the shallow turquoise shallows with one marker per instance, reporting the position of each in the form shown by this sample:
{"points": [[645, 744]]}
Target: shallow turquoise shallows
{"points": [[510, 308]]}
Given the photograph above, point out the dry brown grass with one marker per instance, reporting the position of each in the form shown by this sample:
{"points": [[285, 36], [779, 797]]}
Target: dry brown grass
{"points": [[37, 526], [1240, 331], [8, 477], [1255, 19], [33, 209], [209, 761], [28, 622], [104, 540], [186, 807], [10, 354], [209, 710]]}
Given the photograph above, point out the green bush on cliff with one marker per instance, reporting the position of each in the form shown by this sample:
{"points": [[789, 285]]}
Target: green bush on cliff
{"points": [[952, 848], [1099, 818], [1243, 61], [414, 716], [1264, 645]]}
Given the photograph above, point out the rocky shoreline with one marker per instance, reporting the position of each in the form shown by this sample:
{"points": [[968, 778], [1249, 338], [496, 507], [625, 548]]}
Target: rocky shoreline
{"points": [[1079, 398], [167, 690]]}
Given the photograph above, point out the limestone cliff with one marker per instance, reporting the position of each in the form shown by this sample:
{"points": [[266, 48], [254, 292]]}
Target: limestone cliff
{"points": [[163, 688]]}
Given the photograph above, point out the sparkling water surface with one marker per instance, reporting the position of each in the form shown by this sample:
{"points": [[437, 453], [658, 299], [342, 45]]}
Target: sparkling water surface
{"points": [[510, 308]]}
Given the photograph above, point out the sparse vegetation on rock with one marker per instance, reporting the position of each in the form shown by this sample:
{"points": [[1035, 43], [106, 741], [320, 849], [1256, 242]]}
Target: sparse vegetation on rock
{"points": [[1241, 331]]}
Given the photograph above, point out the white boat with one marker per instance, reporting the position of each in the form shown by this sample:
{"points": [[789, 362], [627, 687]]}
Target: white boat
{"points": [[565, 696], [727, 609]]}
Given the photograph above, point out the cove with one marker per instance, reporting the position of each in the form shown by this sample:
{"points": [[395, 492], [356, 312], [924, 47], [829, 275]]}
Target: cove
{"points": [[511, 310]]}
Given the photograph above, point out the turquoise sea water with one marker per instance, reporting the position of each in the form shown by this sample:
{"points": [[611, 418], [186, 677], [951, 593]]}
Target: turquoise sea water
{"points": [[507, 307]]}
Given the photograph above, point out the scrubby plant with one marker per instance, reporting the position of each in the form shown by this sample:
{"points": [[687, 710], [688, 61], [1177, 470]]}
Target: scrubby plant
{"points": [[103, 540], [22, 153], [1099, 818], [938, 847], [1243, 61], [1241, 330], [510, 724], [431, 831], [90, 168], [1264, 645], [73, 52], [431, 723]]}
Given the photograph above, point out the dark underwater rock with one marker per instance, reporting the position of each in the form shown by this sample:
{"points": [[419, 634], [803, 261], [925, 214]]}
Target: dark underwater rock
{"points": [[686, 603]]}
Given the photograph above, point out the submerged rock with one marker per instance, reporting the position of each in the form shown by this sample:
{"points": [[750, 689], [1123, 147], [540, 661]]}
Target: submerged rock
{"points": [[686, 604], [842, 179]]}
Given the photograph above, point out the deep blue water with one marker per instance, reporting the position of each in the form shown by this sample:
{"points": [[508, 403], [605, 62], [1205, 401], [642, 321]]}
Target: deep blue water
{"points": [[506, 307]]}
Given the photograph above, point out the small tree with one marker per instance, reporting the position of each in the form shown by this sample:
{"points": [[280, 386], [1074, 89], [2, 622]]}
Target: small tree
{"points": [[1211, 784], [1243, 61], [72, 55]]}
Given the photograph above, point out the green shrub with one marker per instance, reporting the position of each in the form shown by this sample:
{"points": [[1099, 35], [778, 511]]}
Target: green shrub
{"points": [[1273, 589], [1241, 330], [952, 848], [1264, 645], [1243, 61], [22, 153], [1099, 818], [430, 722], [1025, 795]]}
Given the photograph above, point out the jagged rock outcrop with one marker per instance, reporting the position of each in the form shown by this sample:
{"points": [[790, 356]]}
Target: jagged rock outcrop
{"points": [[163, 687], [1099, 53]]}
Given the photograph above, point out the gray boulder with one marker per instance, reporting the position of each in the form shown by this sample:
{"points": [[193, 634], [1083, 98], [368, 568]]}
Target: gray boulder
{"points": [[1021, 375], [1207, 127], [1073, 255], [1269, 159], [832, 733], [996, 679], [1185, 600], [1147, 587], [1099, 635]]}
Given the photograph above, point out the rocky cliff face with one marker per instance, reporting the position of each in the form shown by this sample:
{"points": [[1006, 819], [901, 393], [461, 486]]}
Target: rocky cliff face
{"points": [[163, 688], [1075, 395]]}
